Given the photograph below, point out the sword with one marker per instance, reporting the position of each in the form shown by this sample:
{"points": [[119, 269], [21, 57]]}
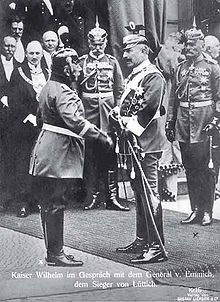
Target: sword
{"points": [[148, 195], [210, 165]]}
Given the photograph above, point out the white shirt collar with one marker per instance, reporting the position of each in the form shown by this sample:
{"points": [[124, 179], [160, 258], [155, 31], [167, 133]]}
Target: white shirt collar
{"points": [[19, 54], [8, 66], [4, 61], [35, 69]]}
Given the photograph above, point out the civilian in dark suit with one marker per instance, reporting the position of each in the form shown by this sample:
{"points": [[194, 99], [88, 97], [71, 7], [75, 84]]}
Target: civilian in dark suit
{"points": [[7, 64], [26, 84]]}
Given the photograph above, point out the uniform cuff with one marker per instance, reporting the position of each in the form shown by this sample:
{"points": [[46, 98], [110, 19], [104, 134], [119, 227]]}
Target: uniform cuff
{"points": [[134, 126], [85, 128]]}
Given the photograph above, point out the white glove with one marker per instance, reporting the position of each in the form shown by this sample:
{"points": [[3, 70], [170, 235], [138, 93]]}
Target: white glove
{"points": [[31, 118], [4, 101], [12, 5]]}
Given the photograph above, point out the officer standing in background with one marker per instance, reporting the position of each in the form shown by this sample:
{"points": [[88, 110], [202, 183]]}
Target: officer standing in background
{"points": [[193, 117], [140, 112], [58, 154], [101, 86]]}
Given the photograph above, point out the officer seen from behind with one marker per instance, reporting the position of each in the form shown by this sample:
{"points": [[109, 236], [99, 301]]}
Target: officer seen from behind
{"points": [[58, 154]]}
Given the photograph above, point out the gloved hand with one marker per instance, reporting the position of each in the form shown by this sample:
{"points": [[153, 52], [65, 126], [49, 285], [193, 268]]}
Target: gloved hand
{"points": [[170, 131], [106, 141], [212, 128]]}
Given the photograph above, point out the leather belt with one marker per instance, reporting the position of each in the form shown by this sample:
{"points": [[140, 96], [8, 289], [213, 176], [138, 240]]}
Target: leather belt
{"points": [[60, 130], [97, 94], [195, 104]]}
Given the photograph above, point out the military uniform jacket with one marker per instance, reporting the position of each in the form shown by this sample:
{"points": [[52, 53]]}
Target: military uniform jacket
{"points": [[142, 104], [58, 155], [102, 75], [195, 96]]}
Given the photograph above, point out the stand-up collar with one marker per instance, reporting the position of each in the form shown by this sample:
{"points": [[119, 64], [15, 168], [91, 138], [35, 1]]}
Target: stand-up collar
{"points": [[141, 66]]}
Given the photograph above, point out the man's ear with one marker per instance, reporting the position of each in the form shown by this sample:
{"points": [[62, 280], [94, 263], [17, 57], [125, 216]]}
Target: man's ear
{"points": [[145, 50]]}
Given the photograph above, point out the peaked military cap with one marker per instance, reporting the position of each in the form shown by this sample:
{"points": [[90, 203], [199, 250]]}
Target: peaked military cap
{"points": [[61, 57], [135, 37]]}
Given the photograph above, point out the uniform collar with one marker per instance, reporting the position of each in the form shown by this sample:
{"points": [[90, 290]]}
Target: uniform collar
{"points": [[141, 66], [198, 59], [97, 58]]}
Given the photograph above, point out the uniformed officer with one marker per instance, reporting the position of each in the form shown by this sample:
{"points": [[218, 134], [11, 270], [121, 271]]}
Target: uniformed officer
{"points": [[193, 116], [58, 154], [101, 86], [141, 111]]}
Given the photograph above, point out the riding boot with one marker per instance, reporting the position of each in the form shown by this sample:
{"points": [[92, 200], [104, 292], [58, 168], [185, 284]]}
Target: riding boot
{"points": [[158, 218], [112, 202], [194, 190], [208, 197], [53, 222]]}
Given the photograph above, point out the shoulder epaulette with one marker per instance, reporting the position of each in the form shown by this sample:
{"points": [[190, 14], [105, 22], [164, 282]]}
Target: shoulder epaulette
{"points": [[65, 87], [209, 59], [110, 56]]}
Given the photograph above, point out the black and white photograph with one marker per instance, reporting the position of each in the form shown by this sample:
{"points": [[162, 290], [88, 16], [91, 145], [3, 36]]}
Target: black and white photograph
{"points": [[109, 150]]}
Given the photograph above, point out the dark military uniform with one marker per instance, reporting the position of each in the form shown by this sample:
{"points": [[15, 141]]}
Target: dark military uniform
{"points": [[58, 154], [195, 98], [101, 87]]}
